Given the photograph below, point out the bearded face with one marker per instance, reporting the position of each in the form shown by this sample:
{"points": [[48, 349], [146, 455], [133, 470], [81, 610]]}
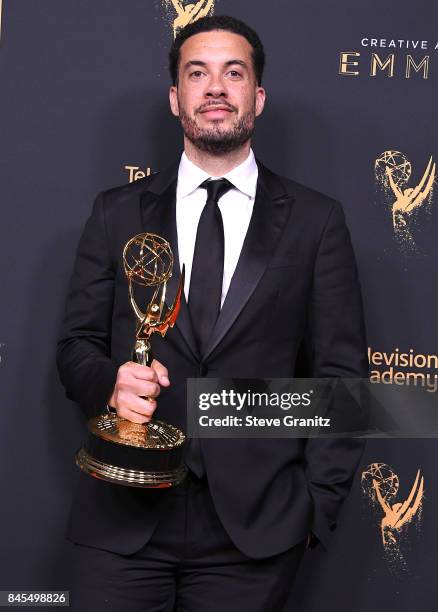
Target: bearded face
{"points": [[217, 98]]}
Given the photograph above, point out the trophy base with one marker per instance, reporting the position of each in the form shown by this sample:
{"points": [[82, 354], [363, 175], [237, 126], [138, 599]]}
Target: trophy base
{"points": [[128, 477], [148, 455]]}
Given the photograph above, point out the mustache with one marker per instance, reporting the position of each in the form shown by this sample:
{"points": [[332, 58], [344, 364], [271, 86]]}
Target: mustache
{"points": [[218, 103]]}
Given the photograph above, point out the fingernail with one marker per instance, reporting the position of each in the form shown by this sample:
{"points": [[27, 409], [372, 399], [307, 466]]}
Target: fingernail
{"points": [[165, 380]]}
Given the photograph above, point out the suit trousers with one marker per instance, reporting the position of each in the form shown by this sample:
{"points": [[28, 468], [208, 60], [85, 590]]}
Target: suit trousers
{"points": [[188, 565]]}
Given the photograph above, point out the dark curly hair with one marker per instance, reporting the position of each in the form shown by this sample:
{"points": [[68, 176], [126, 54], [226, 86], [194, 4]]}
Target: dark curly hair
{"points": [[218, 22]]}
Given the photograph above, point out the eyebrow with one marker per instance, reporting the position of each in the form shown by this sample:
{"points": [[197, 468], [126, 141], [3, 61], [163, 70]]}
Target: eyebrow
{"points": [[227, 64]]}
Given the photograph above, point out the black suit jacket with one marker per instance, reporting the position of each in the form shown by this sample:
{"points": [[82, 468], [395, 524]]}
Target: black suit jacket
{"points": [[295, 284]]}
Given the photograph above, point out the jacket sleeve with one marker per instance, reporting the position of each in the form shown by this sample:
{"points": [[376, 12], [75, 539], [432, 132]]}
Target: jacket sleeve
{"points": [[83, 352], [337, 346]]}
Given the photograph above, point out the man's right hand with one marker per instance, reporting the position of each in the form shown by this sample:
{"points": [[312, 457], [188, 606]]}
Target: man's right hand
{"points": [[134, 383]]}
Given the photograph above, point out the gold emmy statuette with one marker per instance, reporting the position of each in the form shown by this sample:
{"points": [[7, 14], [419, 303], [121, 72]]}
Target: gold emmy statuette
{"points": [[140, 455]]}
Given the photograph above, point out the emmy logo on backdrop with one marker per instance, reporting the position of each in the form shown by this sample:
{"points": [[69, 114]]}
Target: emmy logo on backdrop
{"points": [[189, 12], [140, 455], [380, 484], [392, 172]]}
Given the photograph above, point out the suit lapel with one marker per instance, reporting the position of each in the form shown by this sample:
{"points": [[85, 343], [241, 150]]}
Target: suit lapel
{"points": [[270, 214], [158, 213]]}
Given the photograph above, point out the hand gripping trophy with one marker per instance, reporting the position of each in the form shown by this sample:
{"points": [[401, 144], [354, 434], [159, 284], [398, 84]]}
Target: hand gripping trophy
{"points": [[145, 455]]}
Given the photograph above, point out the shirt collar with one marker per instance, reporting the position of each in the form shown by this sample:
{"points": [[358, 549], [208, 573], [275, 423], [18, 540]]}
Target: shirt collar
{"points": [[243, 177]]}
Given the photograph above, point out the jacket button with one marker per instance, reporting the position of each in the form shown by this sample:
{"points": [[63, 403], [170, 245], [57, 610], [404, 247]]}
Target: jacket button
{"points": [[203, 370]]}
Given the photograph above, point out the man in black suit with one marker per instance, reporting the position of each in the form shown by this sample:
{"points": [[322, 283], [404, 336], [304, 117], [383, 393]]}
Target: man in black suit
{"points": [[270, 270]]}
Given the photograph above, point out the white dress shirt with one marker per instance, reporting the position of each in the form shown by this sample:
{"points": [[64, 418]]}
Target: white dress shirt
{"points": [[236, 208]]}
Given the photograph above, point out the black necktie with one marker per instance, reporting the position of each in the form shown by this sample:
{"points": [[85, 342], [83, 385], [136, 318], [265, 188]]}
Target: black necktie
{"points": [[208, 264], [206, 287]]}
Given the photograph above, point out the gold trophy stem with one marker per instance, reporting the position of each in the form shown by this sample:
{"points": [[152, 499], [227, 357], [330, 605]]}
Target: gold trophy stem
{"points": [[143, 352]]}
